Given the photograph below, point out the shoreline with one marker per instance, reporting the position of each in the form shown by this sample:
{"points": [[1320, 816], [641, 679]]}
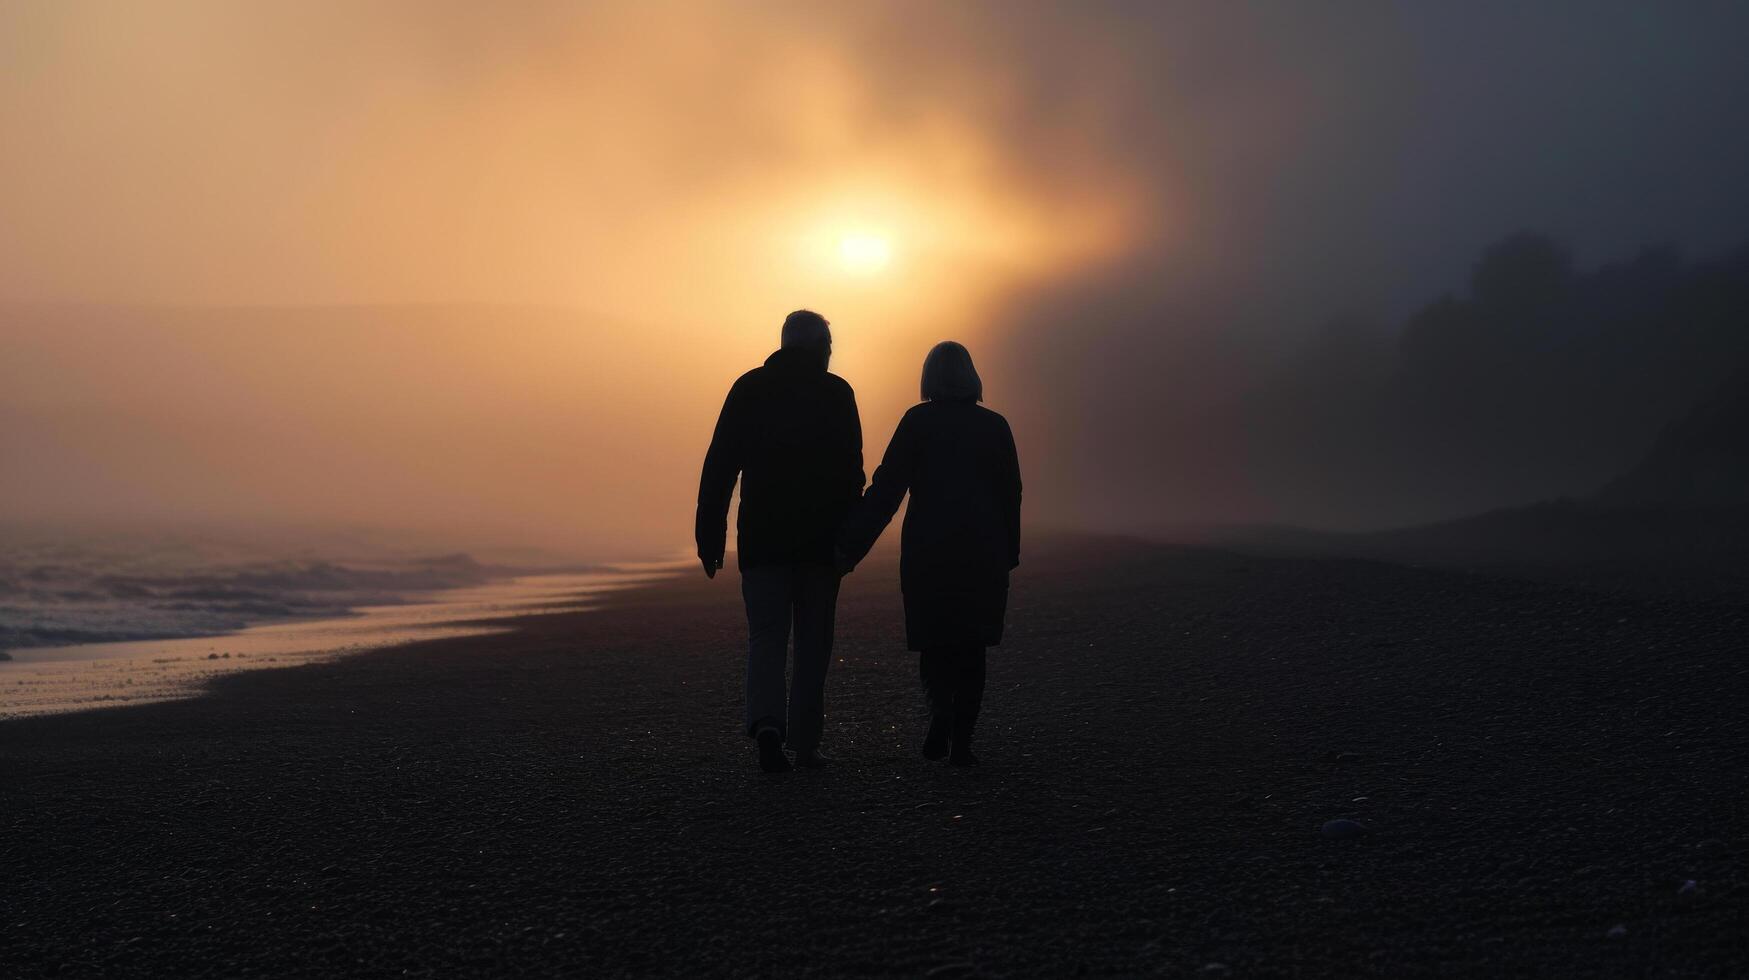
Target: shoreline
{"points": [[116, 673]]}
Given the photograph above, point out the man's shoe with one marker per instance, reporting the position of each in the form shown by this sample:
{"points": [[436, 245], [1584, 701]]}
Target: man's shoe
{"points": [[935, 743], [771, 757], [812, 759]]}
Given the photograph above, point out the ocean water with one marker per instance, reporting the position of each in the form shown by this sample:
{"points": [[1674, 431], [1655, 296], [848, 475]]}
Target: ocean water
{"points": [[104, 622], [61, 590]]}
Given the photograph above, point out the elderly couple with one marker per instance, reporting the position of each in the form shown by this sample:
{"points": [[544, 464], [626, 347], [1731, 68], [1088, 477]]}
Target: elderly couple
{"points": [[789, 430]]}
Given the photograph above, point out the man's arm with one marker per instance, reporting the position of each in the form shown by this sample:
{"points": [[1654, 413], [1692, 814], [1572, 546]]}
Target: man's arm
{"points": [[850, 450], [716, 484], [848, 443]]}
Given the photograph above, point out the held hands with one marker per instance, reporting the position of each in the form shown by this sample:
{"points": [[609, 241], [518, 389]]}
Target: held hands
{"points": [[842, 561], [711, 566]]}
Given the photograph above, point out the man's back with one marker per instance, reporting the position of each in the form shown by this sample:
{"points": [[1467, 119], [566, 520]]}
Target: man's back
{"points": [[790, 431]]}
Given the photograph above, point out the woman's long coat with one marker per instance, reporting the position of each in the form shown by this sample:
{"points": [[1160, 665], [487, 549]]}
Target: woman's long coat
{"points": [[962, 530]]}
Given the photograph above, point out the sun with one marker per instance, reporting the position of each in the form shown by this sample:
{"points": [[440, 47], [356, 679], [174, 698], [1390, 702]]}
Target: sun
{"points": [[864, 253]]}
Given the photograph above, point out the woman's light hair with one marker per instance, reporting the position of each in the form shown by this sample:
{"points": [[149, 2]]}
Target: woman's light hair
{"points": [[948, 374]]}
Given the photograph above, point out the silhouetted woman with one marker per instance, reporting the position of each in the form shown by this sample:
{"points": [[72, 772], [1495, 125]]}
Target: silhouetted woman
{"points": [[961, 538]]}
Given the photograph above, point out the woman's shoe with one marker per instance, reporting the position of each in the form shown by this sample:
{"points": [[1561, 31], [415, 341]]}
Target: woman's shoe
{"points": [[771, 757]]}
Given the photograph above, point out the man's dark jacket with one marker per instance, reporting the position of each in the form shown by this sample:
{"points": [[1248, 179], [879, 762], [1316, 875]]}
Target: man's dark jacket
{"points": [[791, 432]]}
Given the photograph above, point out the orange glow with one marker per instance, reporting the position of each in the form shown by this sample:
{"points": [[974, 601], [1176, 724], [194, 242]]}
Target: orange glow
{"points": [[864, 253], [417, 263]]}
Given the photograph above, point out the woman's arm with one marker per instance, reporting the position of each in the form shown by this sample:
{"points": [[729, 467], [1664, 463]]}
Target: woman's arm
{"points": [[892, 479]]}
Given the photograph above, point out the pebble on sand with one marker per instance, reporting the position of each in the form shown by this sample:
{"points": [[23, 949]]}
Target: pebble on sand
{"points": [[1342, 829]]}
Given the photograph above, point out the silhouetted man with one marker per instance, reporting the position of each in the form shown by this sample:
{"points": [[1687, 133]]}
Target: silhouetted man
{"points": [[791, 432]]}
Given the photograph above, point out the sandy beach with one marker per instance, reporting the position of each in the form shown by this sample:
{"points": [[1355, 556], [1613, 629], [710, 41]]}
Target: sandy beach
{"points": [[1551, 781]]}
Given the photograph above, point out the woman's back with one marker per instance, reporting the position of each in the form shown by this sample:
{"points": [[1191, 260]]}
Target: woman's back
{"points": [[957, 461], [965, 489], [962, 536]]}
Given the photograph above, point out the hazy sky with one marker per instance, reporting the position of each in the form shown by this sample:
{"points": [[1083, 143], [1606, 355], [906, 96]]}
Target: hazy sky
{"points": [[1182, 189]]}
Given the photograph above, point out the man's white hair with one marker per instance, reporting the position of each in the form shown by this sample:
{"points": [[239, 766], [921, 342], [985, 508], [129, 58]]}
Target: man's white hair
{"points": [[805, 328]]}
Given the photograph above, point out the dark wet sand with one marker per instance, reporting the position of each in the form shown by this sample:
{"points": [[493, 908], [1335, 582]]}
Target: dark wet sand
{"points": [[1166, 732]]}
